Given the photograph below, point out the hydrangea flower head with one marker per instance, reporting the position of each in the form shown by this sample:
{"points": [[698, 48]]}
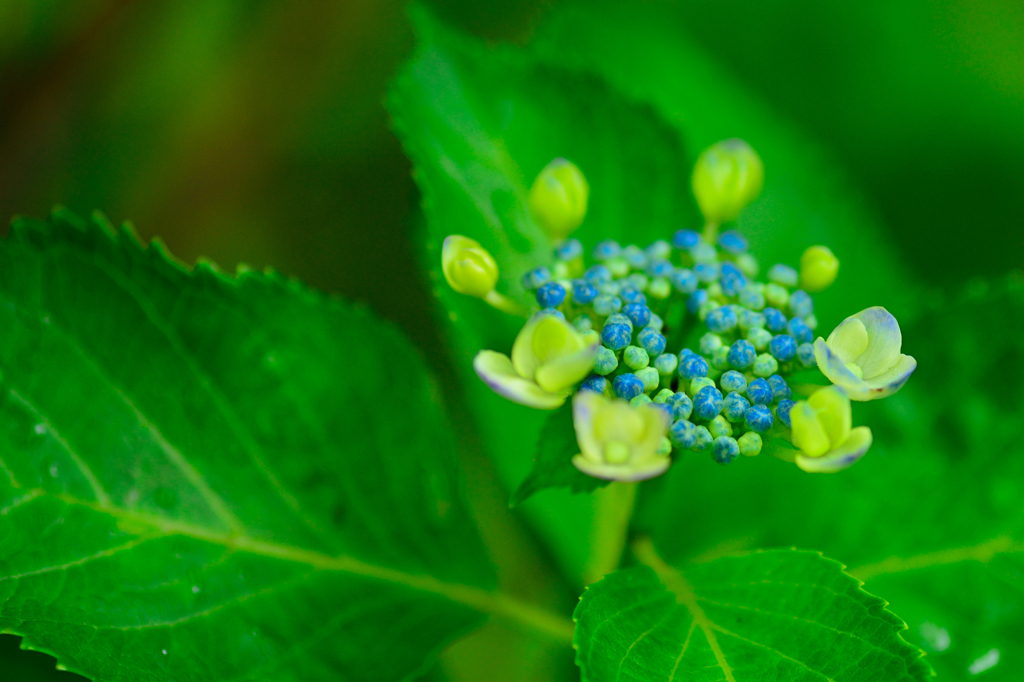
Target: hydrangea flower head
{"points": [[863, 355]]}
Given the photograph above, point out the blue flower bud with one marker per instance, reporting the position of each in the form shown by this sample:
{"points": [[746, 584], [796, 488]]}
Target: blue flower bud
{"points": [[607, 249], [780, 389], [664, 395], [684, 281], [619, 318], [682, 406], [583, 323], [635, 358], [650, 378], [748, 320], [733, 381], [627, 386], [631, 294], [696, 384], [708, 402], [761, 338], [783, 274], [536, 277], [775, 321], [734, 407], [550, 295], [805, 354], [569, 249], [725, 449], [606, 361], [685, 239], [732, 284], [594, 383], [800, 331], [722, 320], [660, 288], [553, 312], [742, 354], [765, 366], [720, 426], [783, 347], [606, 305], [666, 364], [782, 412], [583, 292], [639, 313], [696, 300], [800, 303], [750, 444], [616, 336], [683, 434], [759, 392], [776, 295], [708, 307], [661, 406], [720, 359], [752, 298], [635, 256], [598, 274], [706, 272], [660, 268], [652, 341], [703, 438], [758, 418], [733, 242], [692, 366], [709, 343]]}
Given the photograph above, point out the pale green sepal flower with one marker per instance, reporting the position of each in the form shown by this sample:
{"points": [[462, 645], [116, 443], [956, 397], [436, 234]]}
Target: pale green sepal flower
{"points": [[863, 355], [823, 431], [619, 442], [549, 357]]}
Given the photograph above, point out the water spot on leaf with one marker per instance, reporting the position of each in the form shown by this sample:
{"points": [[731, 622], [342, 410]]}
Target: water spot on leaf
{"points": [[935, 638], [54, 470], [987, 660], [40, 429], [195, 589]]}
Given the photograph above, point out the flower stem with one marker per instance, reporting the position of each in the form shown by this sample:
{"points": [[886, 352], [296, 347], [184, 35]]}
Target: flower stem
{"points": [[614, 509], [506, 304], [710, 232]]}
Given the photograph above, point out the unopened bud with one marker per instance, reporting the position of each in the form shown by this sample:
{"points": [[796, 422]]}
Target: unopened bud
{"points": [[558, 198], [727, 177], [468, 267], [818, 269]]}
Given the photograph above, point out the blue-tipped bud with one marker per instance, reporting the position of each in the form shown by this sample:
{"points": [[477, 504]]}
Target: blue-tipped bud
{"points": [[732, 283], [666, 364], [639, 313], [684, 281], [616, 336], [536, 278], [704, 253], [553, 312], [697, 299], [759, 392], [783, 347], [583, 292], [775, 321], [635, 256], [550, 295], [733, 381], [734, 407], [692, 366], [800, 303], [800, 331], [748, 320], [709, 343], [659, 250], [628, 386], [752, 298], [783, 275], [761, 338], [660, 268], [703, 439], [805, 355], [780, 389], [765, 366], [619, 318], [706, 272], [708, 402], [720, 426], [606, 361], [635, 357], [569, 249], [720, 359], [605, 304], [656, 323], [606, 250], [722, 320], [725, 449], [683, 434], [651, 341], [682, 406], [758, 418], [742, 354], [598, 274], [583, 323], [750, 444], [732, 242], [782, 412], [596, 384], [685, 239]]}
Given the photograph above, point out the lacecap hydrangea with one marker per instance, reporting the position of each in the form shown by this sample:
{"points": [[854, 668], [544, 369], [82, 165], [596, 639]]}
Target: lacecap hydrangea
{"points": [[606, 324]]}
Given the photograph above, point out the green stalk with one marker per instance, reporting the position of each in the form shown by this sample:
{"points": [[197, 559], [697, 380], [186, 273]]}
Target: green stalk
{"points": [[612, 513]]}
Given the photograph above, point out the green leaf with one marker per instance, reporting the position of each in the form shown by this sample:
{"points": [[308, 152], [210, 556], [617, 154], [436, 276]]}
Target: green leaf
{"points": [[930, 510], [781, 615], [552, 465], [218, 478]]}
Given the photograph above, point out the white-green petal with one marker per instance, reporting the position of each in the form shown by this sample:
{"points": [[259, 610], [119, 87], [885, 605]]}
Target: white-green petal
{"points": [[849, 339], [632, 471], [884, 341], [841, 457], [584, 406], [497, 371], [562, 373]]}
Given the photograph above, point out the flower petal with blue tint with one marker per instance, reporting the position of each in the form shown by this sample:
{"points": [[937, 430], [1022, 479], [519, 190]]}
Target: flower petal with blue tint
{"points": [[841, 457], [497, 371]]}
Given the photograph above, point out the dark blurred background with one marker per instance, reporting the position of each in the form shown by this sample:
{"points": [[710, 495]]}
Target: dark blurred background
{"points": [[252, 131]]}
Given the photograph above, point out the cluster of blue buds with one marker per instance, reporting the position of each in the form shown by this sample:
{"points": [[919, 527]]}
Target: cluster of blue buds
{"points": [[610, 330]]}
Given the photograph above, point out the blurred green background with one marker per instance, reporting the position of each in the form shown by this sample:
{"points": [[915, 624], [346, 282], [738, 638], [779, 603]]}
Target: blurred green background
{"points": [[252, 131]]}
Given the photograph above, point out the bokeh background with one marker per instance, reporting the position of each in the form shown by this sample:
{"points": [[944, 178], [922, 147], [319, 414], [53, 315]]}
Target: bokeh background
{"points": [[253, 131]]}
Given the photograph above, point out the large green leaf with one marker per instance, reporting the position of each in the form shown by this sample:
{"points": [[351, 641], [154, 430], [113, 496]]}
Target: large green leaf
{"points": [[933, 503], [208, 478], [775, 615]]}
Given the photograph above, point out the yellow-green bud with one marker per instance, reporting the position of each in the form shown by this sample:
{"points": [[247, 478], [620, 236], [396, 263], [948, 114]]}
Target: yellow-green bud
{"points": [[727, 177], [818, 269], [558, 198], [468, 267]]}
